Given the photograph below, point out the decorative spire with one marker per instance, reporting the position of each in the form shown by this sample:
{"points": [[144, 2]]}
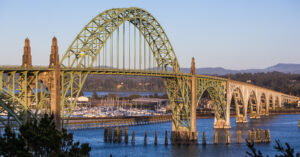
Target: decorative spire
{"points": [[54, 57], [193, 68], [27, 60]]}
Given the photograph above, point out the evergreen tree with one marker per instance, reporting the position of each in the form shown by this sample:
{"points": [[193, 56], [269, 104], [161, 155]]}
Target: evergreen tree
{"points": [[41, 139]]}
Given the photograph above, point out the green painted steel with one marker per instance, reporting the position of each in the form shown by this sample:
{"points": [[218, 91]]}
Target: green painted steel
{"points": [[91, 41], [20, 97], [216, 90], [92, 38]]}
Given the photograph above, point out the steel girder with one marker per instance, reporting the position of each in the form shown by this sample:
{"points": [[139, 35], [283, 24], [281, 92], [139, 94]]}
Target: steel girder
{"points": [[179, 93], [23, 96], [217, 92], [72, 83]]}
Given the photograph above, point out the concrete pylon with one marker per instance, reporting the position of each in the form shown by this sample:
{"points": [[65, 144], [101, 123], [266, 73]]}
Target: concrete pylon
{"points": [[27, 59], [55, 83], [194, 96], [184, 135]]}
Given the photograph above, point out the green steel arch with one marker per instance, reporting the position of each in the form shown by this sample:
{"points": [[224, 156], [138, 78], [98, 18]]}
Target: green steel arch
{"points": [[91, 39], [84, 50]]}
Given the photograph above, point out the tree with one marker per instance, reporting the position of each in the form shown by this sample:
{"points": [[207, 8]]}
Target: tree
{"points": [[41, 139], [284, 152]]}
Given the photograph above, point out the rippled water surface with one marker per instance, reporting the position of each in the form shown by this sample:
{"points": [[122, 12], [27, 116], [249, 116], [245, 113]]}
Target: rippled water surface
{"points": [[283, 127]]}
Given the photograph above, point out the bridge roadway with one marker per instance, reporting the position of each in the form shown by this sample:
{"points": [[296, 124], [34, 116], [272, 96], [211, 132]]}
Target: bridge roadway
{"points": [[131, 72]]}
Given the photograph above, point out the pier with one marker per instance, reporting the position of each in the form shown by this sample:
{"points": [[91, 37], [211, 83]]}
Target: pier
{"points": [[90, 123]]}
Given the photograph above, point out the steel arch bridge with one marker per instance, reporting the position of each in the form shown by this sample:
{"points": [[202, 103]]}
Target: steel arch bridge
{"points": [[144, 50]]}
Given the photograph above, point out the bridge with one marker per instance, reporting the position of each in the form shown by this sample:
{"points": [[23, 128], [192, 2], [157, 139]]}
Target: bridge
{"points": [[126, 41]]}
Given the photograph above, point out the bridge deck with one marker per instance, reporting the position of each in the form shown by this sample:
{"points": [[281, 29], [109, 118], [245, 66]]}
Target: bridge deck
{"points": [[130, 72]]}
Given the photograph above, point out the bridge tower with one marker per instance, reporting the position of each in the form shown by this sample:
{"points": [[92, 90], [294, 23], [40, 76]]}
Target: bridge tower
{"points": [[27, 59], [194, 96], [54, 77], [188, 135]]}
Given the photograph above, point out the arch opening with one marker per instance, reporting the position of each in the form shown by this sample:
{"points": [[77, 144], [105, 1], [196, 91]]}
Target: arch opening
{"points": [[263, 104], [271, 102], [253, 105], [237, 106], [214, 100]]}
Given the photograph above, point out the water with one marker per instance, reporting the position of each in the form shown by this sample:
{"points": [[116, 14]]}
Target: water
{"points": [[283, 127], [123, 94]]}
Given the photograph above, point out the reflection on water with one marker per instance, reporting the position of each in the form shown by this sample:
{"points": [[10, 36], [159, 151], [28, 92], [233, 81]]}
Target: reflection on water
{"points": [[283, 127]]}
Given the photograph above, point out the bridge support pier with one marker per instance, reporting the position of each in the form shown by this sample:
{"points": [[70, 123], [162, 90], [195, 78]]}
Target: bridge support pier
{"points": [[55, 84], [185, 135], [221, 124], [224, 123], [241, 119]]}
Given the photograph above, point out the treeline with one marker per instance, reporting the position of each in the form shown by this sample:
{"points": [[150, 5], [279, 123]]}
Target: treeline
{"points": [[282, 82], [123, 83]]}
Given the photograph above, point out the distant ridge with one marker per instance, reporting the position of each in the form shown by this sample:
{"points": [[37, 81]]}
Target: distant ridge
{"points": [[281, 67]]}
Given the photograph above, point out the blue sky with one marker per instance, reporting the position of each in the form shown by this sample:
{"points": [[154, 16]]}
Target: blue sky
{"points": [[235, 34]]}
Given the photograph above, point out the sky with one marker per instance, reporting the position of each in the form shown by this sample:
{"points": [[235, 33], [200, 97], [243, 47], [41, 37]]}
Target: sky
{"points": [[233, 34]]}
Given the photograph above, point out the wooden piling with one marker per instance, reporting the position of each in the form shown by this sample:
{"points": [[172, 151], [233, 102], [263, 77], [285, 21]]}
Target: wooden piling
{"points": [[249, 136], [115, 138], [133, 137], [155, 140], [105, 134], [126, 135], [120, 135], [110, 135], [268, 136], [145, 138], [166, 138], [253, 135], [262, 135], [203, 138], [258, 140], [227, 137], [216, 137]]}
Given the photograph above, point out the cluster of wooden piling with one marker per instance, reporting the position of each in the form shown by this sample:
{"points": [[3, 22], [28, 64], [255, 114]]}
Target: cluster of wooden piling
{"points": [[259, 135], [227, 137], [116, 136], [216, 137], [118, 122]]}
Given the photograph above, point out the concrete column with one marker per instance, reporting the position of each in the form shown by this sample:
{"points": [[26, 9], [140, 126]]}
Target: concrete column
{"points": [[194, 96], [245, 120], [245, 96], [279, 101], [258, 105], [267, 106], [26, 58], [55, 83], [227, 120]]}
